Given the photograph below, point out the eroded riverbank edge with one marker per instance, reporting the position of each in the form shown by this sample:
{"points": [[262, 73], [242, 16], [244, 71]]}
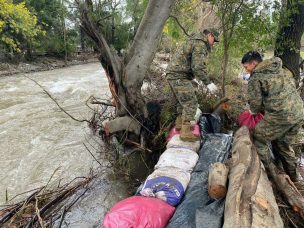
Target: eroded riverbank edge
{"points": [[43, 64]]}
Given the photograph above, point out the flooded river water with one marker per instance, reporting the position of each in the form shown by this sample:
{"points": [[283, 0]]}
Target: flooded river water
{"points": [[38, 140]]}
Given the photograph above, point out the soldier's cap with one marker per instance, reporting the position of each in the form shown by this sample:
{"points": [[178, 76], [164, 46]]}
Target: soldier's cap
{"points": [[215, 34]]}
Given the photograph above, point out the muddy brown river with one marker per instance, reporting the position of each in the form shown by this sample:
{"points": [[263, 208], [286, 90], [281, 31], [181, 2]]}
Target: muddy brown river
{"points": [[38, 141]]}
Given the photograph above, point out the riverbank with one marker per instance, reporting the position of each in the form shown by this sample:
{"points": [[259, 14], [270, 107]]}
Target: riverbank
{"points": [[44, 64]]}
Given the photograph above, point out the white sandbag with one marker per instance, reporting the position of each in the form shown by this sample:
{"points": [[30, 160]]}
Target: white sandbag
{"points": [[181, 158], [181, 175], [168, 184], [176, 142]]}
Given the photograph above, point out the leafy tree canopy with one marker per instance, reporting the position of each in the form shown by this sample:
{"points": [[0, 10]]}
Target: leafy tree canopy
{"points": [[17, 25]]}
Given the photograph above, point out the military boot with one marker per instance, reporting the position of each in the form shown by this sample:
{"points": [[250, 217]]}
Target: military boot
{"points": [[178, 123], [186, 133]]}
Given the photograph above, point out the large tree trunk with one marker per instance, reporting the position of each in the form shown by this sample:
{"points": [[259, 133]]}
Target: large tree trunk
{"points": [[288, 42], [250, 200], [126, 75], [143, 49]]}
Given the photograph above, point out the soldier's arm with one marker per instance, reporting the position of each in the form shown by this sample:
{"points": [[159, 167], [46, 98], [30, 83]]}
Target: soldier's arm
{"points": [[198, 63], [255, 98]]}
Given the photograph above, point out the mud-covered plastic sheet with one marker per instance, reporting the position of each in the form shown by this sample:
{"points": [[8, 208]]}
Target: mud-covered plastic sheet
{"points": [[197, 209]]}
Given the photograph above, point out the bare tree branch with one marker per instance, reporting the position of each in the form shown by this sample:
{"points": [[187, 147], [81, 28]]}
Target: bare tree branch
{"points": [[50, 96], [180, 25]]}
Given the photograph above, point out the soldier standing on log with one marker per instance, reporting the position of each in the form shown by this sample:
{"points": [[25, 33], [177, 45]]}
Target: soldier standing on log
{"points": [[272, 91], [187, 64]]}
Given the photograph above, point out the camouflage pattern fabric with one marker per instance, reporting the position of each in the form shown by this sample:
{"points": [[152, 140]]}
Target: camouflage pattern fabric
{"points": [[272, 90], [190, 60], [187, 63], [186, 98], [282, 137]]}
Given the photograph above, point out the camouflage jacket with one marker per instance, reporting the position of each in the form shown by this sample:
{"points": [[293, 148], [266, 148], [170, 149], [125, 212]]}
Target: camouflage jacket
{"points": [[272, 89], [190, 60]]}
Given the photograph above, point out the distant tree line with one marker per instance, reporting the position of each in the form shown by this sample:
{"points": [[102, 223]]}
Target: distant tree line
{"points": [[31, 28]]}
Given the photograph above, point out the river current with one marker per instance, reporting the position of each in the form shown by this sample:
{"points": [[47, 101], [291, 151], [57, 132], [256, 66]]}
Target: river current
{"points": [[38, 141]]}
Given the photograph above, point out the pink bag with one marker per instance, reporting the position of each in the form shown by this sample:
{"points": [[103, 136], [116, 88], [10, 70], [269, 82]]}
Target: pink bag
{"points": [[173, 131], [139, 212], [250, 120]]}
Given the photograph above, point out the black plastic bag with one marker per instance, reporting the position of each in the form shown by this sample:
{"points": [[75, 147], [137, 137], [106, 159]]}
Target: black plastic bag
{"points": [[197, 209], [210, 123]]}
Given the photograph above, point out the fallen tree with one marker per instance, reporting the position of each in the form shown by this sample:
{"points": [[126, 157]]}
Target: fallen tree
{"points": [[288, 189], [250, 201]]}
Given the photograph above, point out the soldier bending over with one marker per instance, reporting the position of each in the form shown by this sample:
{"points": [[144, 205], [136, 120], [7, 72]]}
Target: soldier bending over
{"points": [[272, 91]]}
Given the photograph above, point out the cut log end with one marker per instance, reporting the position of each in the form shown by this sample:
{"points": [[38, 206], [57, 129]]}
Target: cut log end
{"points": [[217, 180], [217, 191]]}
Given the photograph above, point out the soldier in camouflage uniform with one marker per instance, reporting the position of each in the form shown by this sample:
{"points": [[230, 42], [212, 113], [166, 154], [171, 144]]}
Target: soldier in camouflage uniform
{"points": [[187, 64], [272, 91]]}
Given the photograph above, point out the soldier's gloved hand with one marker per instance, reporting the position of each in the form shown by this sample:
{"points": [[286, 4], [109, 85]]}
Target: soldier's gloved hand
{"points": [[212, 88], [197, 115], [198, 82]]}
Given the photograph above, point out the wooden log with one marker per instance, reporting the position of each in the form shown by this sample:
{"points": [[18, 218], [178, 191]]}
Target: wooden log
{"points": [[250, 200], [289, 190], [265, 211], [125, 123], [217, 180]]}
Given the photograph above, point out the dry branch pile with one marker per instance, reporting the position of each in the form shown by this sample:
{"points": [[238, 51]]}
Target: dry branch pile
{"points": [[44, 207]]}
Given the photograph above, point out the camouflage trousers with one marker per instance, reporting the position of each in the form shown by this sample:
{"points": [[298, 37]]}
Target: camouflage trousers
{"points": [[282, 137], [186, 98]]}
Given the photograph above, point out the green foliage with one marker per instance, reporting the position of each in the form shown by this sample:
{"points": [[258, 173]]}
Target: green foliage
{"points": [[256, 29], [173, 30], [118, 21], [135, 10], [254, 26], [49, 13], [53, 16], [54, 45], [17, 25], [186, 12], [133, 166]]}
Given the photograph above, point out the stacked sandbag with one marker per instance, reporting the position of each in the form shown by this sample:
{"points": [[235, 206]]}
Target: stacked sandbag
{"points": [[139, 211], [181, 158], [176, 142], [171, 175], [198, 209], [167, 184], [162, 190], [172, 172]]}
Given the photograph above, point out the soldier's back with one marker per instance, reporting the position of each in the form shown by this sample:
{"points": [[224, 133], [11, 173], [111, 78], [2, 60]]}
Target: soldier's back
{"points": [[282, 101], [180, 63]]}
